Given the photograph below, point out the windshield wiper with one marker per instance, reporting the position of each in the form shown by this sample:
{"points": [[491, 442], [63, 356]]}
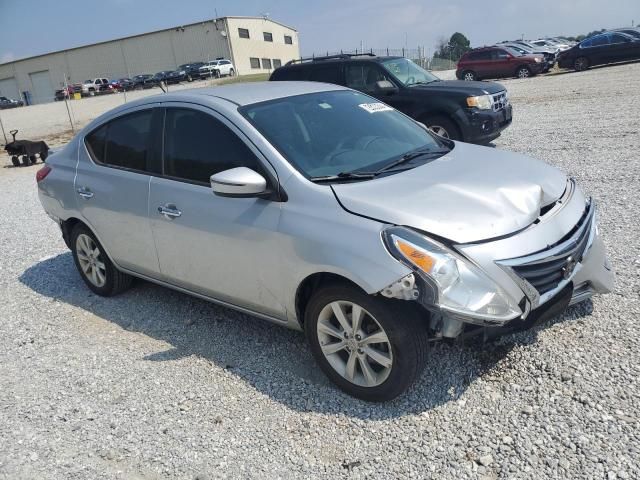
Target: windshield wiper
{"points": [[343, 176], [407, 157]]}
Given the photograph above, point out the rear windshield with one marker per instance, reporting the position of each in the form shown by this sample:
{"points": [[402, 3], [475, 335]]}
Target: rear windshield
{"points": [[328, 133]]}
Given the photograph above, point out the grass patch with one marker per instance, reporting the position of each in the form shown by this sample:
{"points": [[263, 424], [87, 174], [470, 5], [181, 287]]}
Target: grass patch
{"points": [[256, 77]]}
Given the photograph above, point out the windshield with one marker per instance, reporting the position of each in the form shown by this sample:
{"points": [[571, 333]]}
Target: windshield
{"points": [[408, 72], [513, 51], [328, 133]]}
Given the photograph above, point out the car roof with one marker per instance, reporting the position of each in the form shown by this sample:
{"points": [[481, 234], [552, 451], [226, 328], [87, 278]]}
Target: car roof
{"points": [[241, 93], [338, 59]]}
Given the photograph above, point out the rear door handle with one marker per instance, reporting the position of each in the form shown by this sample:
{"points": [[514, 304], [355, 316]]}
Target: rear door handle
{"points": [[85, 193], [169, 211]]}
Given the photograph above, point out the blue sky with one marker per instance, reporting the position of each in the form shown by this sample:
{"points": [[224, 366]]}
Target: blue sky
{"points": [[51, 25]]}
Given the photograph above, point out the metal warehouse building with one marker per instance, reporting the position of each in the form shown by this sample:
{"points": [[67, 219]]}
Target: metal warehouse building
{"points": [[253, 44]]}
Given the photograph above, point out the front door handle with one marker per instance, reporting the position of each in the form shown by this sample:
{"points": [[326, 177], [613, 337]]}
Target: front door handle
{"points": [[85, 193], [169, 211]]}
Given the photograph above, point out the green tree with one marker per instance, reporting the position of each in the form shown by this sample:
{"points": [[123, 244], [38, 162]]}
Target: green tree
{"points": [[454, 48]]}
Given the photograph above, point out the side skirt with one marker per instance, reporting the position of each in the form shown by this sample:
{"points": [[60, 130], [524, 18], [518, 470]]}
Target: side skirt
{"points": [[262, 316]]}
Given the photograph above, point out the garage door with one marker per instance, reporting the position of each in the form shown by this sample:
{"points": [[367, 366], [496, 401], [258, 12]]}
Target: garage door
{"points": [[9, 88], [42, 90]]}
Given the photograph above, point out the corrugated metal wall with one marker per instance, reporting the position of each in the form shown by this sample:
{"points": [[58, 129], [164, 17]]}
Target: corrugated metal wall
{"points": [[148, 53]]}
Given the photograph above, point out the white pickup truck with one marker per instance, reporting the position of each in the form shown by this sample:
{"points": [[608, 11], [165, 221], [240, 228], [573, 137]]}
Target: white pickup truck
{"points": [[92, 87]]}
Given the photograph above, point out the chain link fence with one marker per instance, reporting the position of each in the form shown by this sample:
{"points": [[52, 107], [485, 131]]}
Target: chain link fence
{"points": [[419, 55]]}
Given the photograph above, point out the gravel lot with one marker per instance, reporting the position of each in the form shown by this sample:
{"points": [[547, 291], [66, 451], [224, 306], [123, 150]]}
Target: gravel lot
{"points": [[154, 384]]}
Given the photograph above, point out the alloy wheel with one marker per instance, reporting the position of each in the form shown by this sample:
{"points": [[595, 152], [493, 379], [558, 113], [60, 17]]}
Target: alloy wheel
{"points": [[469, 77], [439, 130], [354, 343], [523, 73], [90, 260]]}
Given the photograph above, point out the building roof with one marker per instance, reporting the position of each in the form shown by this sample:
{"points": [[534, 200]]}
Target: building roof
{"points": [[143, 34]]}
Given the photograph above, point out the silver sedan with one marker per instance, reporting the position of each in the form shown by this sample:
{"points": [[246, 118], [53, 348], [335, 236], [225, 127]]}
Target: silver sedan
{"points": [[321, 209]]}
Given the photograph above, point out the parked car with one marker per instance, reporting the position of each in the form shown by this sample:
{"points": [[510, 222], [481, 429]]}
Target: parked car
{"points": [[537, 48], [191, 71], [633, 32], [176, 76], [154, 81], [498, 62], [63, 93], [6, 103], [95, 86], [608, 47], [122, 84], [472, 112], [138, 80], [548, 42], [217, 68], [549, 58], [331, 213]]}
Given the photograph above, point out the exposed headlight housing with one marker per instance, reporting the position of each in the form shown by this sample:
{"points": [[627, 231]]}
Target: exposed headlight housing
{"points": [[483, 102], [462, 288], [538, 60]]}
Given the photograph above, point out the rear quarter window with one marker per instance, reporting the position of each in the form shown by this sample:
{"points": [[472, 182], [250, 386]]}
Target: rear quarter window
{"points": [[287, 73]]}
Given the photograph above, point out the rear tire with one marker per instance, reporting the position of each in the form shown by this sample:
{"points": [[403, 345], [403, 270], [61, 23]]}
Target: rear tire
{"points": [[443, 126], [469, 76], [15, 160], [93, 264], [375, 370], [25, 161], [232, 72], [581, 64]]}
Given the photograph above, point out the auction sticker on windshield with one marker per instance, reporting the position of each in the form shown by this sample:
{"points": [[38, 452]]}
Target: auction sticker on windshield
{"points": [[375, 107]]}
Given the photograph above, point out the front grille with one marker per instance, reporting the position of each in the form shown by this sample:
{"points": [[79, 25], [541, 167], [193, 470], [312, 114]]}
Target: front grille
{"points": [[545, 272], [500, 100]]}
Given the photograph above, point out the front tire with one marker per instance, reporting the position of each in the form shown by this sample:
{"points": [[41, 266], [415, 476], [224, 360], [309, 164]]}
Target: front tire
{"points": [[523, 72], [371, 348], [95, 267], [443, 127]]}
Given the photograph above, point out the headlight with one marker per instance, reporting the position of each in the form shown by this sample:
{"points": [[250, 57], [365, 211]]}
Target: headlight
{"points": [[483, 102], [538, 60], [462, 288]]}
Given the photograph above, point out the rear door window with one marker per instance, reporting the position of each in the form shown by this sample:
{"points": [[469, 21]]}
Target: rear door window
{"points": [[295, 73], [617, 38], [124, 142], [325, 73], [198, 145]]}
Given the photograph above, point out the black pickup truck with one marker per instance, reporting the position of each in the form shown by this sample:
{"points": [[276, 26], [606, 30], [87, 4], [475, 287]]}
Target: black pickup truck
{"points": [[474, 112]]}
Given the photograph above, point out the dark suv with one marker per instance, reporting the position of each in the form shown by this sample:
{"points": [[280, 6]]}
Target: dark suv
{"points": [[498, 62], [474, 112]]}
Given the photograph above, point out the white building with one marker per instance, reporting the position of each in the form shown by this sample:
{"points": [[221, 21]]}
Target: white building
{"points": [[253, 44]]}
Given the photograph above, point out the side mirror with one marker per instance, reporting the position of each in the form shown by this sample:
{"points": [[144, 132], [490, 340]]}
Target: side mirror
{"points": [[385, 87], [240, 182]]}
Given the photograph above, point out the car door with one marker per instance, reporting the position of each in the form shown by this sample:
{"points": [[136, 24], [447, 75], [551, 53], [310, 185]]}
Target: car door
{"points": [[225, 67], [599, 52], [112, 185], [504, 64], [222, 247], [621, 47]]}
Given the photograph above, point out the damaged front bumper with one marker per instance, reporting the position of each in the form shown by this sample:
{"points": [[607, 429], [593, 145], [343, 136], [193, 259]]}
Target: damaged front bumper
{"points": [[547, 282]]}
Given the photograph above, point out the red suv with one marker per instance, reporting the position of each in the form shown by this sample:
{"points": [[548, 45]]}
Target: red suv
{"points": [[498, 62]]}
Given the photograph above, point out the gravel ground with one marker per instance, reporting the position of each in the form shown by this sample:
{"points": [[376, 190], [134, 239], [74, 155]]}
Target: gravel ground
{"points": [[154, 384]]}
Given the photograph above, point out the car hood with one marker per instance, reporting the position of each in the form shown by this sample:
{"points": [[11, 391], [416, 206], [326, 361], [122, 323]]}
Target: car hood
{"points": [[471, 194], [462, 87]]}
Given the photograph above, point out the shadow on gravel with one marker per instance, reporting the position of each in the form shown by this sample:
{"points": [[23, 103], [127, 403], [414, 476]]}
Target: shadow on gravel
{"points": [[272, 359]]}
